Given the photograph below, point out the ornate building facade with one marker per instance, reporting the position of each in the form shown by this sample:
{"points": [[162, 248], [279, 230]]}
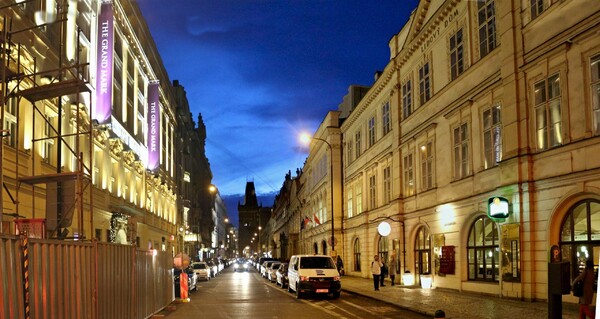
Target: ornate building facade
{"points": [[475, 145], [90, 124]]}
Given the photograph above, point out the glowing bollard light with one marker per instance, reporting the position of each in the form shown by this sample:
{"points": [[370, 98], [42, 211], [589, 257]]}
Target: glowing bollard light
{"points": [[408, 279], [426, 281]]}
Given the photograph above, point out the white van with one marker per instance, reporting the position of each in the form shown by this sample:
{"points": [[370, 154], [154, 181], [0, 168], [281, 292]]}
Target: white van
{"points": [[309, 274]]}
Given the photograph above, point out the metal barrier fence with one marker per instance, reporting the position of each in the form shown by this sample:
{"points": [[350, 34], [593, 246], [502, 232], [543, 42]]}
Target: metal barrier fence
{"points": [[81, 280]]}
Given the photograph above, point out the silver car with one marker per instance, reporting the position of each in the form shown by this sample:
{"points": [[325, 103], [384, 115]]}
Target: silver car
{"points": [[202, 270], [272, 271]]}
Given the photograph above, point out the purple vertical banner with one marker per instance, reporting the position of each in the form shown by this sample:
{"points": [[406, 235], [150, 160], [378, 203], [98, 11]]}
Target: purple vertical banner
{"points": [[104, 62], [153, 117]]}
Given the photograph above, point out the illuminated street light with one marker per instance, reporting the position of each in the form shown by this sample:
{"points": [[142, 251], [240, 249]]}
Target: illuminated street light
{"points": [[212, 188], [305, 138]]}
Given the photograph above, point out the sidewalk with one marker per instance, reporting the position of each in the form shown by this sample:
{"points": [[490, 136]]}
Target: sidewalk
{"points": [[455, 304]]}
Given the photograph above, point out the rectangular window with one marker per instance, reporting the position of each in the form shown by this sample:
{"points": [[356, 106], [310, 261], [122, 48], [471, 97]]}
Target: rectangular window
{"points": [[350, 151], [595, 72], [461, 151], [357, 142], [385, 118], [548, 118], [409, 177], [537, 7], [349, 201], [358, 192], [372, 131], [387, 184], [427, 165], [48, 144], [10, 122], [456, 54], [406, 99], [424, 84], [372, 192], [487, 26], [492, 136]]}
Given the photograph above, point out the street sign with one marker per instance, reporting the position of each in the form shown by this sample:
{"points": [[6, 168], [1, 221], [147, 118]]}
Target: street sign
{"points": [[181, 261], [334, 241]]}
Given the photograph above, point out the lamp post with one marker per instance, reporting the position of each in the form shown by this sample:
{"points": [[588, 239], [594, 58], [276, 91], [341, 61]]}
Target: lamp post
{"points": [[306, 139]]}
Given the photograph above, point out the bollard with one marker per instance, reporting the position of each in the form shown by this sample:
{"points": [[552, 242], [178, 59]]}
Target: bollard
{"points": [[439, 314]]}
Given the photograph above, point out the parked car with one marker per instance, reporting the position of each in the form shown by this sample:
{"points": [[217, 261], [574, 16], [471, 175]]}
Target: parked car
{"points": [[240, 265], [282, 275], [264, 267], [313, 274], [272, 270], [202, 270]]}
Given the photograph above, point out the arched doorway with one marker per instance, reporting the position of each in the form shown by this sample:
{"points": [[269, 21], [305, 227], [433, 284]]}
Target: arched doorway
{"points": [[356, 251], [580, 235], [483, 250], [423, 251]]}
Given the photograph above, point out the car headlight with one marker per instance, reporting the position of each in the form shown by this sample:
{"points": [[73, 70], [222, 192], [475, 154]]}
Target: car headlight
{"points": [[245, 266], [236, 266]]}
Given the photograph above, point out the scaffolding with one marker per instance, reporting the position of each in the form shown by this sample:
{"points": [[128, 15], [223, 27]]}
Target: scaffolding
{"points": [[43, 86]]}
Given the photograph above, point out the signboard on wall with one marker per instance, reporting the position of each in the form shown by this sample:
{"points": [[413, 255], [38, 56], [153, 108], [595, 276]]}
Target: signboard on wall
{"points": [[498, 208], [104, 64], [447, 262], [153, 116]]}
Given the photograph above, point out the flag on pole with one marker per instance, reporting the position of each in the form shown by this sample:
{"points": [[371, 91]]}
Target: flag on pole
{"points": [[307, 220], [317, 221]]}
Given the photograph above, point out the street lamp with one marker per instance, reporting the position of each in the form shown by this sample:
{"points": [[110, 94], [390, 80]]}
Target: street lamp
{"points": [[306, 138]]}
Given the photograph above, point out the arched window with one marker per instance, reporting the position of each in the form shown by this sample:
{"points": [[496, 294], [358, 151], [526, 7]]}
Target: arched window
{"points": [[423, 251], [316, 249], [382, 249], [356, 255], [483, 250], [580, 235], [324, 246]]}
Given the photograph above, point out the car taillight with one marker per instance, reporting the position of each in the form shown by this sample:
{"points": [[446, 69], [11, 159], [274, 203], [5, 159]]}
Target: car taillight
{"points": [[336, 278], [304, 278]]}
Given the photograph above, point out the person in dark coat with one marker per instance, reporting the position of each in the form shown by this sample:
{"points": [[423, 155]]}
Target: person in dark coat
{"points": [[588, 277], [384, 273]]}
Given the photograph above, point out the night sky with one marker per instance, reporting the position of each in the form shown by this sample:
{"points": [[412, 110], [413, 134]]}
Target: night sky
{"points": [[261, 72]]}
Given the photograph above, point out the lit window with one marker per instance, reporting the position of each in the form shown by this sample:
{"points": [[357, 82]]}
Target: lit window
{"points": [[492, 136], [483, 250], [595, 81], [409, 177], [548, 118], [427, 165]]}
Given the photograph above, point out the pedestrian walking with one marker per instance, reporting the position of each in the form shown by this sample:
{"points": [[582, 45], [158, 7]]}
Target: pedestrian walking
{"points": [[392, 268], [376, 271], [587, 276], [340, 265], [384, 273]]}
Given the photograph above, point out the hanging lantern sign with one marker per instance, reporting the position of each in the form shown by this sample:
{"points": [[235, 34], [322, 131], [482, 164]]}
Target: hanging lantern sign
{"points": [[498, 208]]}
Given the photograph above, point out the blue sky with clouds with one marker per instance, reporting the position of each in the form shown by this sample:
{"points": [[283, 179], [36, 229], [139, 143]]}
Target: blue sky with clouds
{"points": [[262, 71]]}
